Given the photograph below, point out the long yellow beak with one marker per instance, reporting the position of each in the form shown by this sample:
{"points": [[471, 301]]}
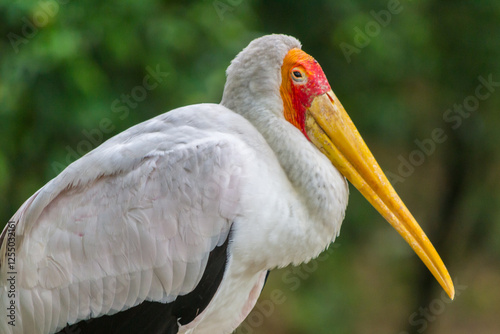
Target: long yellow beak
{"points": [[332, 131]]}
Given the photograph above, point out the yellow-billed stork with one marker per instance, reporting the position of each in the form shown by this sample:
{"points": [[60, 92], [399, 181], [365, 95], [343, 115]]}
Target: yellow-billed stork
{"points": [[172, 225]]}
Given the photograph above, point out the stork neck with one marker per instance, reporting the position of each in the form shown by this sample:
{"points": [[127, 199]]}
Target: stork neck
{"points": [[317, 182], [308, 211], [320, 192]]}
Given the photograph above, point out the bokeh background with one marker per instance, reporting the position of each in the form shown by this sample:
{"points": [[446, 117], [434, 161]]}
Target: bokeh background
{"points": [[420, 79]]}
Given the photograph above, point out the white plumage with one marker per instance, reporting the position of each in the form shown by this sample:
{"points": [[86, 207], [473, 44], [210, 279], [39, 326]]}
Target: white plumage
{"points": [[135, 219]]}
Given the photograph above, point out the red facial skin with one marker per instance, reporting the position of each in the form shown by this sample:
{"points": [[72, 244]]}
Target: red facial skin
{"points": [[298, 93]]}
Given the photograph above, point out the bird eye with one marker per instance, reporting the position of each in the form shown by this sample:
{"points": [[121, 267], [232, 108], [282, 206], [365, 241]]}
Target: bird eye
{"points": [[298, 75]]}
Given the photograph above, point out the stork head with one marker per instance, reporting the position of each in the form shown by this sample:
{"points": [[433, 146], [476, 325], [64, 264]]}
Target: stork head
{"points": [[302, 79], [273, 75], [311, 106]]}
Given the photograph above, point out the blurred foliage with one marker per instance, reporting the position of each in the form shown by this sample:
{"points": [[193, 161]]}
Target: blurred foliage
{"points": [[72, 75]]}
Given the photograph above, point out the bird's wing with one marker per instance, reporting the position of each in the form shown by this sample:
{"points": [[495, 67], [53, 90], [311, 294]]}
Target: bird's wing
{"points": [[133, 220]]}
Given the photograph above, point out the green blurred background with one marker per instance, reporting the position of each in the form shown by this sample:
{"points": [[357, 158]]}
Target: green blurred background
{"points": [[420, 79]]}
